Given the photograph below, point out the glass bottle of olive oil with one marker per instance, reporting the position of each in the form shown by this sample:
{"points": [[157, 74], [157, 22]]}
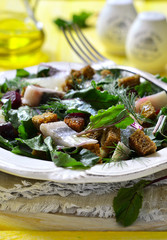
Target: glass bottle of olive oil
{"points": [[20, 39]]}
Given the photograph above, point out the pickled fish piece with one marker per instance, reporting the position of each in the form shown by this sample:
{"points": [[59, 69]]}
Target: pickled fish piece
{"points": [[33, 95], [64, 135]]}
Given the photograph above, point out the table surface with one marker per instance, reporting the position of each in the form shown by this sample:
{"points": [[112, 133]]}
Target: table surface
{"points": [[55, 48]]}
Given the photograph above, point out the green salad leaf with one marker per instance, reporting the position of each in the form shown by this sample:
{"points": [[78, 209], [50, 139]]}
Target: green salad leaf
{"points": [[22, 73], [116, 115], [96, 98], [80, 159], [128, 202]]}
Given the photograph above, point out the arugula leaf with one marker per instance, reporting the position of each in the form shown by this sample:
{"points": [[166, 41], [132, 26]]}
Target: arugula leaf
{"points": [[5, 143], [62, 159], [144, 89], [19, 150], [77, 104], [128, 202], [6, 107], [22, 73], [35, 143], [111, 116], [67, 157], [87, 158], [27, 129], [97, 99]]}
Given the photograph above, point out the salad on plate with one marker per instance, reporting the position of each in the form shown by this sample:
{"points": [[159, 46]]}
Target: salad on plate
{"points": [[92, 117]]}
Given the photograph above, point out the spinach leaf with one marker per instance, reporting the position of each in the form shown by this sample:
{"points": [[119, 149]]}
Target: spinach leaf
{"points": [[62, 159], [35, 143], [144, 89], [76, 104], [97, 99], [27, 129]]}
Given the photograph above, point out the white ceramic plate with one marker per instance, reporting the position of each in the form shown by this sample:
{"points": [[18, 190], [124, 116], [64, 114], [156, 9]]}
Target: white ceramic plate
{"points": [[45, 170]]}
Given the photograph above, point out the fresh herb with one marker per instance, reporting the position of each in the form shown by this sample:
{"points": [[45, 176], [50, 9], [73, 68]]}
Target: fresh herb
{"points": [[128, 201], [79, 19], [55, 106]]}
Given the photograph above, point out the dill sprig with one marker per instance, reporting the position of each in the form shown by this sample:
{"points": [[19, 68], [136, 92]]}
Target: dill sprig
{"points": [[56, 106], [127, 98]]}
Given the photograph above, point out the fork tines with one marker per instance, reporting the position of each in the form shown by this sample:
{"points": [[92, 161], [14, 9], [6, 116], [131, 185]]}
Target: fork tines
{"points": [[81, 46]]}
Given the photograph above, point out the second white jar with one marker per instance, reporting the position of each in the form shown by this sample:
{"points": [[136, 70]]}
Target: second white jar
{"points": [[147, 42], [113, 24]]}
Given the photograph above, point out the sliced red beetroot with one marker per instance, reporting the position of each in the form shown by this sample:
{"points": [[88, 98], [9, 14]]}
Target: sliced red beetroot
{"points": [[7, 131], [15, 98]]}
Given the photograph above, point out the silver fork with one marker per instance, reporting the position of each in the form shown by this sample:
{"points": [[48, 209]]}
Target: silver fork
{"points": [[89, 55]]}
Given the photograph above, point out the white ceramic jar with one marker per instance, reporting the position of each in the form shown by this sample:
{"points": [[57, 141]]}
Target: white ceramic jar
{"points": [[146, 44], [113, 24]]}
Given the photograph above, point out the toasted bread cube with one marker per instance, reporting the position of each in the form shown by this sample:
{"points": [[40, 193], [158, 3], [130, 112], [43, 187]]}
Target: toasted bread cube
{"points": [[87, 72], [95, 135], [44, 118], [75, 74], [106, 72], [129, 81], [95, 148], [111, 136], [76, 123], [147, 110], [141, 143]]}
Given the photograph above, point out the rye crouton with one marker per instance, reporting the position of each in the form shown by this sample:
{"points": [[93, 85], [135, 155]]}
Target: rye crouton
{"points": [[87, 72], [95, 148], [106, 72], [141, 143], [76, 123], [147, 110], [129, 81], [44, 118], [111, 136], [77, 75]]}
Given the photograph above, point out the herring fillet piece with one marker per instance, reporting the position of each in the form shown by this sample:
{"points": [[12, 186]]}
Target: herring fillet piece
{"points": [[33, 94], [63, 135]]}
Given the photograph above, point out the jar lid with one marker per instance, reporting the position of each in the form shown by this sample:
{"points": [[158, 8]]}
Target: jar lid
{"points": [[120, 2], [152, 16]]}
